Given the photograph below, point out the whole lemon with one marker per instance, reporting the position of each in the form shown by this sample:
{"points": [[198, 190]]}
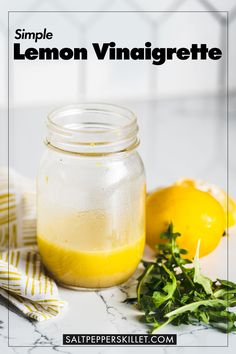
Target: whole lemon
{"points": [[194, 213], [228, 204]]}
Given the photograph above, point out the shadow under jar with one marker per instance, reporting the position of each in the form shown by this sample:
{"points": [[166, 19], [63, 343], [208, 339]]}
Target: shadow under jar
{"points": [[91, 196]]}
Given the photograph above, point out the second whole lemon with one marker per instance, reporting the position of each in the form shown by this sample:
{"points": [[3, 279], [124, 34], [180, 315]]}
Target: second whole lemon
{"points": [[194, 213]]}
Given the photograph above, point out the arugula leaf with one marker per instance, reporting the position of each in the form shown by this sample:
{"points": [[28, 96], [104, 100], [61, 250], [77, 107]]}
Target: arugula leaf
{"points": [[169, 292], [227, 283], [195, 305], [198, 277], [142, 280]]}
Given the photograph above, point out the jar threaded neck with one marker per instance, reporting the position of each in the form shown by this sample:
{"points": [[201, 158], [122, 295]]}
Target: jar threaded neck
{"points": [[92, 128]]}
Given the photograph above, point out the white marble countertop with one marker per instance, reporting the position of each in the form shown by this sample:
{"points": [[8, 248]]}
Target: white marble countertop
{"points": [[97, 312]]}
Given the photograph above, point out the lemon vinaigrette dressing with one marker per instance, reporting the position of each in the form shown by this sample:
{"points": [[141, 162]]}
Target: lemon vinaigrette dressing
{"points": [[79, 250], [91, 269], [91, 196]]}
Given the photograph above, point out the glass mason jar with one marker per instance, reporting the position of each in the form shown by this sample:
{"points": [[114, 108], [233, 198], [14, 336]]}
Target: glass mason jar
{"points": [[91, 196]]}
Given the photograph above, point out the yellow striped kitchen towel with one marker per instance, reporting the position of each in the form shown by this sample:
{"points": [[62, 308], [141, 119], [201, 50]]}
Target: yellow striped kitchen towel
{"points": [[21, 200], [23, 280]]}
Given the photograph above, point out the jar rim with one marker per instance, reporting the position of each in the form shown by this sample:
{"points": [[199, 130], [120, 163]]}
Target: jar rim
{"points": [[91, 106], [92, 128]]}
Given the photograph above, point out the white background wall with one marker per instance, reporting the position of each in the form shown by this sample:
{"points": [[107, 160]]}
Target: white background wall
{"points": [[69, 81], [181, 116]]}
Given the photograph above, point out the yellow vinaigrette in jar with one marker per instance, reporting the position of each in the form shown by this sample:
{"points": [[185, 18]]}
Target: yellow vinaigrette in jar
{"points": [[86, 256]]}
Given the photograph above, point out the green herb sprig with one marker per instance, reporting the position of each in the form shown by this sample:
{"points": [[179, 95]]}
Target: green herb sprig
{"points": [[173, 290]]}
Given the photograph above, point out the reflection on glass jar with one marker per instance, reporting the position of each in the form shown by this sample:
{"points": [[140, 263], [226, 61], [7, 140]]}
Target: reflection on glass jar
{"points": [[91, 196]]}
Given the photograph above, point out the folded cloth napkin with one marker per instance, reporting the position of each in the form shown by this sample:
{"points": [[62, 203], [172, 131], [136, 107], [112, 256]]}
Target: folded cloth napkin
{"points": [[23, 280]]}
